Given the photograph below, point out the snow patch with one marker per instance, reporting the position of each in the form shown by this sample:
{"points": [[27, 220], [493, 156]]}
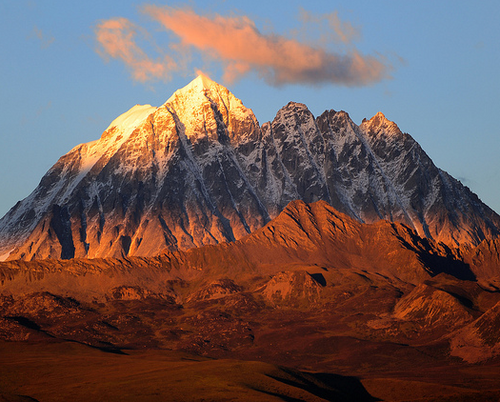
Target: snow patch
{"points": [[3, 257]]}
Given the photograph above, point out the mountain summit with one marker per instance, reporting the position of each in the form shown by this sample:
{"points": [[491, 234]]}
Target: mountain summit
{"points": [[200, 170]]}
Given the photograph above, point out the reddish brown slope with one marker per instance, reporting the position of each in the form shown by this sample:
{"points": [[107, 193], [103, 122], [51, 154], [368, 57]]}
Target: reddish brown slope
{"points": [[304, 236], [484, 261], [318, 235]]}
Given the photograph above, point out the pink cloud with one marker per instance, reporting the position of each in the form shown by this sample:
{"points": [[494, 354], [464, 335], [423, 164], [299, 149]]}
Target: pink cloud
{"points": [[241, 48], [116, 38]]}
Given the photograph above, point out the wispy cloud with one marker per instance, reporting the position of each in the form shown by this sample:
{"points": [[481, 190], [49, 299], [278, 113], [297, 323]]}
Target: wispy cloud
{"points": [[237, 44], [43, 108], [45, 40], [117, 39], [330, 27]]}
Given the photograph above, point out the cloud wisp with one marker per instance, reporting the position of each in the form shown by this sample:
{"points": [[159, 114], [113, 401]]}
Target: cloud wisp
{"points": [[117, 40], [331, 28], [45, 41], [240, 48]]}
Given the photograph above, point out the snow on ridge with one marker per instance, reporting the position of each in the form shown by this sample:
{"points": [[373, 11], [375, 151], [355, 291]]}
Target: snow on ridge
{"points": [[111, 140], [394, 193], [113, 137], [132, 118]]}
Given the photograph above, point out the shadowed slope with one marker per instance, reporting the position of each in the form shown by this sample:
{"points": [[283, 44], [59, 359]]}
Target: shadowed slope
{"points": [[63, 372]]}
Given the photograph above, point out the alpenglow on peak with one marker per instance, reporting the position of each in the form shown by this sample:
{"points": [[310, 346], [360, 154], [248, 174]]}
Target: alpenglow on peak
{"points": [[203, 92]]}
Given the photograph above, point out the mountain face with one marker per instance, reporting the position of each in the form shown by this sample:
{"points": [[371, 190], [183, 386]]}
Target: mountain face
{"points": [[200, 170]]}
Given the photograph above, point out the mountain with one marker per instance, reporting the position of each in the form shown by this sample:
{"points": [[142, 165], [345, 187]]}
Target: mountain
{"points": [[199, 170]]}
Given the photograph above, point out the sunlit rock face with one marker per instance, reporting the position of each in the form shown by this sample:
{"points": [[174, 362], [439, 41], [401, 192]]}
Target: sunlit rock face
{"points": [[200, 170]]}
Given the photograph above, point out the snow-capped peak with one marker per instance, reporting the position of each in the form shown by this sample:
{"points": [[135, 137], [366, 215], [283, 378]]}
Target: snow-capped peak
{"points": [[194, 105], [380, 122], [377, 120], [202, 82], [197, 90]]}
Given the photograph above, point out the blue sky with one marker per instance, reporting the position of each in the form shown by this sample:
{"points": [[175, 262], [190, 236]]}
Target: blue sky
{"points": [[443, 58]]}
